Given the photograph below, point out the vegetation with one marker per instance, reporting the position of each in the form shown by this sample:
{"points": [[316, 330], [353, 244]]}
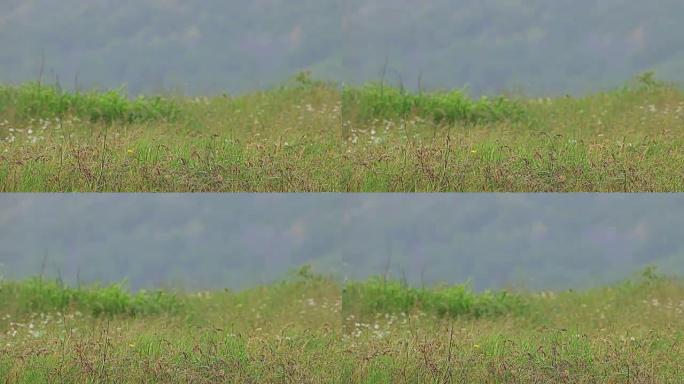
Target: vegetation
{"points": [[377, 101], [306, 136], [625, 333], [282, 332], [304, 330], [36, 101], [37, 295], [379, 295]]}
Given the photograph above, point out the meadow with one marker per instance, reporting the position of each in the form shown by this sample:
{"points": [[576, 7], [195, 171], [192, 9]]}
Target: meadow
{"points": [[312, 329], [310, 135], [285, 332]]}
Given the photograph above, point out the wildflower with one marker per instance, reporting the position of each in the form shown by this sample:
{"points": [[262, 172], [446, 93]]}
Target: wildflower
{"points": [[130, 151]]}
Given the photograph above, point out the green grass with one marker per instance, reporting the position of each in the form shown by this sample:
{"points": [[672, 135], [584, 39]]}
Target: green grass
{"points": [[626, 333], [309, 136], [305, 330], [37, 295], [391, 296], [37, 101], [281, 332], [377, 101]]}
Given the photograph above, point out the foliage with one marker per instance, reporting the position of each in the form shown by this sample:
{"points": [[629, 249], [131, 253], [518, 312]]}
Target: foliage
{"points": [[378, 101], [35, 101], [381, 295], [304, 80], [41, 295]]}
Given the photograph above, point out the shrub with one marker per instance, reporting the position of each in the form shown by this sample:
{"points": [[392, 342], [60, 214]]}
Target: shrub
{"points": [[33, 100], [375, 101], [378, 295], [39, 295]]}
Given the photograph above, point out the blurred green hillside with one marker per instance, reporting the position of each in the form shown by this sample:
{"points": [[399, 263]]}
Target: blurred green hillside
{"points": [[216, 46], [198, 242]]}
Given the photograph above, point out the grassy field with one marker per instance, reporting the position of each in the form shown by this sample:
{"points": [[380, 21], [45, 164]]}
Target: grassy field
{"points": [[284, 332], [308, 330], [314, 136]]}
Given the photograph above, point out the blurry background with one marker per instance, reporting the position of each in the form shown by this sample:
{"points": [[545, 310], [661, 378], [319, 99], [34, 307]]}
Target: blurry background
{"points": [[214, 241], [497, 240], [187, 240], [538, 46], [212, 46], [199, 47]]}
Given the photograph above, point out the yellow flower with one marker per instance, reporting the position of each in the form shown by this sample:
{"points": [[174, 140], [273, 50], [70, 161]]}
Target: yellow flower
{"points": [[130, 151], [476, 346]]}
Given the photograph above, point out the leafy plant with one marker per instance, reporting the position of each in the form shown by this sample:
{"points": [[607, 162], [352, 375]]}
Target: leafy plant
{"points": [[40, 295], [380, 295], [648, 79], [378, 101], [34, 100]]}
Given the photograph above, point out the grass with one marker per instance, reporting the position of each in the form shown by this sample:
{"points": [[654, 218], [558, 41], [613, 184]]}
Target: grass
{"points": [[310, 136], [281, 332], [305, 330], [376, 101], [389, 296], [626, 333], [36, 295], [33, 100]]}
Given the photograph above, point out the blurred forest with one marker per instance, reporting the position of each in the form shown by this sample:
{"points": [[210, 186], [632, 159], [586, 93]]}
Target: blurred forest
{"points": [[208, 241], [212, 47]]}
